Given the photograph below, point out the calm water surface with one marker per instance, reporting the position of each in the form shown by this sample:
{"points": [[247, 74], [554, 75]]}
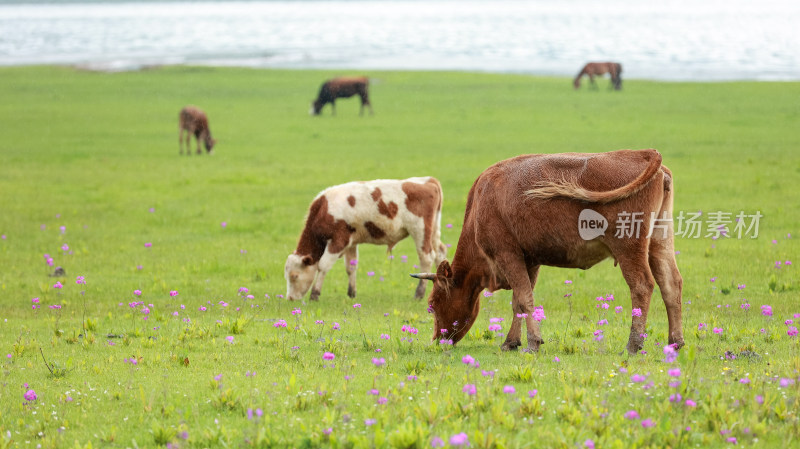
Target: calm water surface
{"points": [[669, 39]]}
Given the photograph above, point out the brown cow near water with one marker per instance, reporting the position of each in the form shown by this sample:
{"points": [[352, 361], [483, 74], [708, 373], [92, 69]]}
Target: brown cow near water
{"points": [[343, 87], [593, 69], [554, 209], [192, 120], [381, 212]]}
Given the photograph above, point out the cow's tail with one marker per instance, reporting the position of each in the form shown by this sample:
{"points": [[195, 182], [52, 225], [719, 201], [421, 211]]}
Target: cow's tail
{"points": [[439, 248], [569, 188]]}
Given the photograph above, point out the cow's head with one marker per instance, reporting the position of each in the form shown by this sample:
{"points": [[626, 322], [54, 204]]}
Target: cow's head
{"points": [[299, 273], [209, 144], [316, 107], [453, 307]]}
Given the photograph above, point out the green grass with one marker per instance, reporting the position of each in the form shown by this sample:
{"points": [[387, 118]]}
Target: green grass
{"points": [[94, 152]]}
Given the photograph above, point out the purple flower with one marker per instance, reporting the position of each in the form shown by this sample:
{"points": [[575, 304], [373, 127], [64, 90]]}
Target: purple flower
{"points": [[356, 306], [495, 327], [631, 414], [173, 293], [766, 310], [58, 285], [636, 312], [280, 323], [638, 378], [791, 331], [675, 372], [369, 422], [468, 360], [690, 403], [509, 389], [647, 423], [469, 389], [459, 439], [588, 444], [717, 330], [533, 393], [437, 442], [30, 396], [379, 361], [80, 280], [229, 338], [538, 313]]}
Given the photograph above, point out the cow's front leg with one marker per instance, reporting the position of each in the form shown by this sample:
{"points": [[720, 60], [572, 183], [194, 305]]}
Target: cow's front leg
{"points": [[325, 264], [516, 273], [640, 280], [351, 264], [316, 289]]}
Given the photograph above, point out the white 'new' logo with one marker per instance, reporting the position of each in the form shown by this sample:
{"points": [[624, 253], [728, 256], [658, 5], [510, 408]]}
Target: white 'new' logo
{"points": [[591, 224]]}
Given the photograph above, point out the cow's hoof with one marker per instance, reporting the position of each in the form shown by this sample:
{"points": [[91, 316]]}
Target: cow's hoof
{"points": [[533, 345], [511, 345], [634, 348], [676, 343], [351, 292], [315, 295]]}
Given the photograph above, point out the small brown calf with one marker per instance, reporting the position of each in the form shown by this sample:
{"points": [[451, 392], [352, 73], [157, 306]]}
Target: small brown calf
{"points": [[194, 121]]}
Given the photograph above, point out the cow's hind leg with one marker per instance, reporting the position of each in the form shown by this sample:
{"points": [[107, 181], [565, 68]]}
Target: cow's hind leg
{"points": [[669, 280], [426, 258], [351, 261], [640, 280]]}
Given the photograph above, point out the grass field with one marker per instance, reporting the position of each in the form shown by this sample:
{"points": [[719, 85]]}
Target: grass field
{"points": [[90, 176]]}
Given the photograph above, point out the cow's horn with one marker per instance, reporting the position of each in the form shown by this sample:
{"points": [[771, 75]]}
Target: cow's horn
{"points": [[428, 276]]}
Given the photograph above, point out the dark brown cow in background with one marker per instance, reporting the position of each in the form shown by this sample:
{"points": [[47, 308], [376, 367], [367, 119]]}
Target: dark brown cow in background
{"points": [[593, 69], [192, 120], [530, 211], [343, 87]]}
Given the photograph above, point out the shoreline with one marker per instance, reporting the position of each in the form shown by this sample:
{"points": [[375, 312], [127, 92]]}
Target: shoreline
{"points": [[122, 66]]}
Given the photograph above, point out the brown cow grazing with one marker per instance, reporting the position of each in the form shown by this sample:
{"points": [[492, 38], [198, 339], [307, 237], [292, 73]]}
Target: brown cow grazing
{"points": [[194, 121], [381, 212], [554, 209], [343, 87], [593, 69]]}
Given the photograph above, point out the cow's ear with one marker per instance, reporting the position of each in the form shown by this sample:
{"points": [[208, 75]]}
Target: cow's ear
{"points": [[444, 270], [307, 260]]}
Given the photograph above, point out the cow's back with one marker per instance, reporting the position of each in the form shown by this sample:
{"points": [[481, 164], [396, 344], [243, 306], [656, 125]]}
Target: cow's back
{"points": [[193, 119], [378, 210], [548, 228]]}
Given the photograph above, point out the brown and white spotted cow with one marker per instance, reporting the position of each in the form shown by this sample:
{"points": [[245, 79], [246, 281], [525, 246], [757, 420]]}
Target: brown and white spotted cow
{"points": [[380, 212], [194, 121]]}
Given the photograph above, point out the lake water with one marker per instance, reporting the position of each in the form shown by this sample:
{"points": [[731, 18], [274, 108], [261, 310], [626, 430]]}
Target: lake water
{"points": [[665, 39]]}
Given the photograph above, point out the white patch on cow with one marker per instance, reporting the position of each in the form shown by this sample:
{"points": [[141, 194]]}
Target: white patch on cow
{"points": [[299, 276]]}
